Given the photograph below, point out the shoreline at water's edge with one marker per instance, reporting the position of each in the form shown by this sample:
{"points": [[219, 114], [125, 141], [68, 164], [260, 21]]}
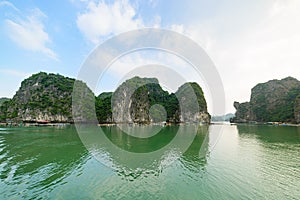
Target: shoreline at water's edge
{"points": [[136, 124], [57, 124], [32, 124], [265, 123]]}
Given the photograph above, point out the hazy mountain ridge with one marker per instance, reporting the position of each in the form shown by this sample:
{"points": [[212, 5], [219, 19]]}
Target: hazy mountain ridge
{"points": [[220, 118]]}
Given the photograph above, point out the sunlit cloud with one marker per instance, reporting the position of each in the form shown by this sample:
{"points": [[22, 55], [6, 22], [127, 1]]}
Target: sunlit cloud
{"points": [[7, 3], [29, 33], [102, 19]]}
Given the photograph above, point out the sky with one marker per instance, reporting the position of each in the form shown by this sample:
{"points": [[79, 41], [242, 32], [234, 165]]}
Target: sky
{"points": [[249, 41]]}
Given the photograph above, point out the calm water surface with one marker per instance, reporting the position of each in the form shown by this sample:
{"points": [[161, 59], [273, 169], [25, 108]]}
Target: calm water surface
{"points": [[248, 162]]}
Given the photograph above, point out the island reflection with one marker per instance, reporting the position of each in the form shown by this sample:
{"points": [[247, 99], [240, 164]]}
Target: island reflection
{"points": [[147, 149]]}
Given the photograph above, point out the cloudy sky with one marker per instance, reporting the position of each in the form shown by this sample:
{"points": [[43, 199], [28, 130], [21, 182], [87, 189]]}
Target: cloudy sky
{"points": [[249, 41]]}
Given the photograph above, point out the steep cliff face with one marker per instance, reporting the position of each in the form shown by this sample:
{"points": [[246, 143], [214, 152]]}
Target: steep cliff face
{"points": [[54, 98], [243, 112], [43, 97], [193, 107], [274, 100], [132, 100], [142, 100], [297, 109]]}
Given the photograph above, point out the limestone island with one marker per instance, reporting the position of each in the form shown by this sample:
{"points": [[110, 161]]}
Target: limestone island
{"points": [[49, 99], [274, 102]]}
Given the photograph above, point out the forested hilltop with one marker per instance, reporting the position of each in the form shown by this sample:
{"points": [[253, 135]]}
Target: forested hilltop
{"points": [[142, 101], [273, 101], [43, 97], [48, 97], [2, 100]]}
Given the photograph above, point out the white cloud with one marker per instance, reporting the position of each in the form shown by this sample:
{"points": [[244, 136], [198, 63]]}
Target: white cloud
{"points": [[7, 3], [268, 48], [101, 19], [248, 47], [267, 51], [198, 33], [29, 33], [142, 63]]}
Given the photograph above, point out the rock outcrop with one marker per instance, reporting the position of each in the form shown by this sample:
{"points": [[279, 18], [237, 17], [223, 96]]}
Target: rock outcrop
{"points": [[54, 98], [142, 101], [132, 100], [243, 112], [43, 97], [193, 107], [297, 109], [273, 101]]}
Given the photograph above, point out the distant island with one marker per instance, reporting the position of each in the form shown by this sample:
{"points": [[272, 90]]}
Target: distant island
{"points": [[222, 118], [273, 101], [45, 98]]}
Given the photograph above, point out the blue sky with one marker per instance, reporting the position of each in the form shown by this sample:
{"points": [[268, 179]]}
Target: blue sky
{"points": [[249, 41]]}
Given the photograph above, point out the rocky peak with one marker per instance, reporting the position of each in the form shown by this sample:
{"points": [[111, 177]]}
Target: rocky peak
{"points": [[142, 100], [43, 97], [274, 100]]}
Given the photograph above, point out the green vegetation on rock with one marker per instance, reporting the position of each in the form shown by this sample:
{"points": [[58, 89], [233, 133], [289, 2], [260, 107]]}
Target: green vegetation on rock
{"points": [[103, 107], [133, 100], [273, 101], [2, 100], [55, 98], [42, 97]]}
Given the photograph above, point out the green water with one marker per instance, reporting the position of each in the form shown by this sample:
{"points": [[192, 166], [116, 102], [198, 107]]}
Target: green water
{"points": [[246, 162]]}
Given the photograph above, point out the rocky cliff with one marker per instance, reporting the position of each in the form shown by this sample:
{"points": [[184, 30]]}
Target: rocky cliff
{"points": [[193, 107], [50, 97], [243, 112], [275, 100], [43, 97], [132, 100], [142, 100], [297, 109]]}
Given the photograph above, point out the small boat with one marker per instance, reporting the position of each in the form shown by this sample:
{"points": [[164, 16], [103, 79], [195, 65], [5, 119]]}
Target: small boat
{"points": [[43, 122]]}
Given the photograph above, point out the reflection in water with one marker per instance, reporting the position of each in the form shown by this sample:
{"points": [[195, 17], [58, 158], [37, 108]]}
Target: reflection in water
{"points": [[196, 155], [35, 159], [271, 134], [248, 162], [132, 157], [145, 142]]}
